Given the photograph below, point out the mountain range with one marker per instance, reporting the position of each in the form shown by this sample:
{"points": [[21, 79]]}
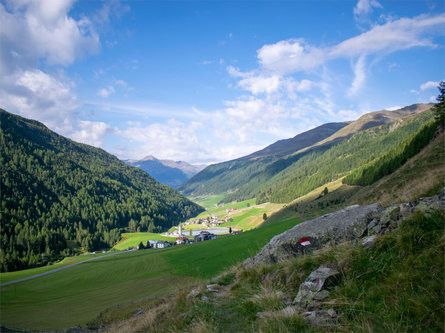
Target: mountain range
{"points": [[289, 168], [168, 172]]}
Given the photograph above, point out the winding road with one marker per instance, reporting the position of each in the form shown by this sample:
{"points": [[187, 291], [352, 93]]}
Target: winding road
{"points": [[59, 269]]}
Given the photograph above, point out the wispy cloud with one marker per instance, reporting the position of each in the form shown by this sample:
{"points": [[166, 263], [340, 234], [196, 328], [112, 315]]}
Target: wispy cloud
{"points": [[429, 85], [106, 92], [364, 8]]}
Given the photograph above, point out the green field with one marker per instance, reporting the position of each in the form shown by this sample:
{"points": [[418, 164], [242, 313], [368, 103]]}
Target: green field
{"points": [[133, 239], [221, 211], [11, 276], [77, 295], [208, 202], [248, 219]]}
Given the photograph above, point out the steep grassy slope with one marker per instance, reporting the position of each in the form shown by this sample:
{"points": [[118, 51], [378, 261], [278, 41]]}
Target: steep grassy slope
{"points": [[397, 285], [291, 168], [319, 167], [227, 176], [77, 295], [422, 175], [56, 193]]}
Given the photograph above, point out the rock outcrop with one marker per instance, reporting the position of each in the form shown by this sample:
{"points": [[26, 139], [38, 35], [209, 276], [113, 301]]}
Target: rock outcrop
{"points": [[344, 225], [353, 223]]}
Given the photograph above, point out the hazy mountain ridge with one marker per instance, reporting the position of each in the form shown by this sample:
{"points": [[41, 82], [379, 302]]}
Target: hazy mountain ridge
{"points": [[300, 141], [168, 172], [264, 171]]}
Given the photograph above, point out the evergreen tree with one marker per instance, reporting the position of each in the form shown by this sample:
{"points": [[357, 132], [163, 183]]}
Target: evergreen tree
{"points": [[439, 108]]}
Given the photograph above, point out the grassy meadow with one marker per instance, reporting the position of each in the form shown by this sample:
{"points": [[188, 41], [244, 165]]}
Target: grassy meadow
{"points": [[11, 276], [77, 295], [134, 238]]}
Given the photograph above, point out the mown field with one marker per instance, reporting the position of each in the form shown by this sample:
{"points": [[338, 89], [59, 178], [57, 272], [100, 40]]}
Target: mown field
{"points": [[11, 276], [134, 238], [77, 295]]}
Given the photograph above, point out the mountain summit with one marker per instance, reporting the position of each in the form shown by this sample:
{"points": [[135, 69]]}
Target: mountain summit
{"points": [[168, 172]]}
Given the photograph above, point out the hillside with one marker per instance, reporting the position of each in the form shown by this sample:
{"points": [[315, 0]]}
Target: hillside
{"points": [[58, 195], [422, 175], [168, 172], [388, 279], [300, 141], [227, 176], [93, 290], [318, 158]]}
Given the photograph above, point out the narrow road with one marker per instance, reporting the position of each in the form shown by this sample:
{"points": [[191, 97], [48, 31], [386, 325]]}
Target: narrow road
{"points": [[58, 269]]}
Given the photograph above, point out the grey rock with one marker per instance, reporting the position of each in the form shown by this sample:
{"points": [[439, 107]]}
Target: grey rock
{"points": [[369, 241], [204, 298], [372, 224], [332, 313], [193, 293], [214, 288], [375, 230], [323, 277], [347, 224], [320, 318], [264, 314], [321, 295]]}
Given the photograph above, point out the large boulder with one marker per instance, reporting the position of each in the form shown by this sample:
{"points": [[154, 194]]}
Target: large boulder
{"points": [[347, 224]]}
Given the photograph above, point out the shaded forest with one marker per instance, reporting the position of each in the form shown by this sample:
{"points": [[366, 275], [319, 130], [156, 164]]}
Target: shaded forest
{"points": [[58, 196]]}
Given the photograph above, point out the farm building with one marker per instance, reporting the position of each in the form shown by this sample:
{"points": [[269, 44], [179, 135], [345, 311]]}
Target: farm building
{"points": [[182, 240], [204, 235]]}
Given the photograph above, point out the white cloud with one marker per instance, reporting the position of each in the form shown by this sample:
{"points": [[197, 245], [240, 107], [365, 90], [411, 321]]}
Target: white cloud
{"points": [[171, 140], [364, 8], [390, 37], [91, 132], [37, 95], [294, 55], [106, 92], [394, 108], [236, 73], [261, 84], [290, 56], [46, 31], [429, 85], [359, 76]]}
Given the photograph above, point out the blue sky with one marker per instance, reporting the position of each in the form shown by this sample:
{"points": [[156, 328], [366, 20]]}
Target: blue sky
{"points": [[207, 81]]}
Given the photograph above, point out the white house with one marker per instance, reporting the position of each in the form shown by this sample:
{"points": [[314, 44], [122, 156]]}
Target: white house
{"points": [[162, 244]]}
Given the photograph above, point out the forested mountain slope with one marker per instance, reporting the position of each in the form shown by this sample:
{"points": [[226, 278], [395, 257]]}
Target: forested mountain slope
{"points": [[277, 178], [57, 195], [227, 176]]}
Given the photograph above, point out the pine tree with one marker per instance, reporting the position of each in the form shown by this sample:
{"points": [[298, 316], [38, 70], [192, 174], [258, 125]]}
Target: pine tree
{"points": [[439, 108]]}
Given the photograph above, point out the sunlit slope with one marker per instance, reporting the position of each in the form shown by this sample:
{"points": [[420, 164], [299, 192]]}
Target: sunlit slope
{"points": [[77, 295]]}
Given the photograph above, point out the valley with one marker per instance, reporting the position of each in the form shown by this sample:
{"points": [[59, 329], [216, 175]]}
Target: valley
{"points": [[109, 291]]}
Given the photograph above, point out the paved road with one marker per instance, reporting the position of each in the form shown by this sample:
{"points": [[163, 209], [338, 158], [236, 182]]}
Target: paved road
{"points": [[58, 269]]}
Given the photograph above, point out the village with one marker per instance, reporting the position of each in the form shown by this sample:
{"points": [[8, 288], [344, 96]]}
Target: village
{"points": [[194, 235]]}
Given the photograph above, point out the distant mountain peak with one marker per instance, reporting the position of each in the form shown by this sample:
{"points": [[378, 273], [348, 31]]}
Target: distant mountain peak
{"points": [[148, 158], [168, 172]]}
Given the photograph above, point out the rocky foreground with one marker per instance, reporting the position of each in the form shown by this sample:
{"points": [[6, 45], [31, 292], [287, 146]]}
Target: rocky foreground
{"points": [[353, 223]]}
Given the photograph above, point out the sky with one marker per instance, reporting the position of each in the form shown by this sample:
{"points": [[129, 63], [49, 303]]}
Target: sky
{"points": [[209, 81]]}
